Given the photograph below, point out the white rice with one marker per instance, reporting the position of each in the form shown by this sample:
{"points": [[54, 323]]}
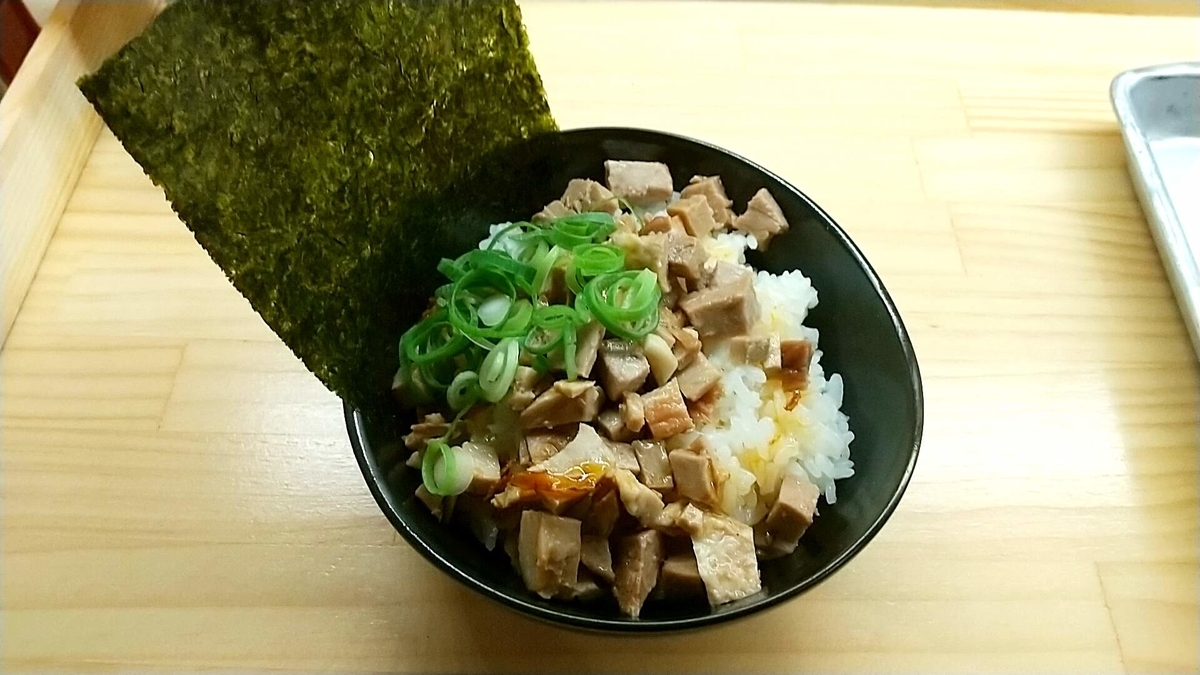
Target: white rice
{"points": [[756, 440]]}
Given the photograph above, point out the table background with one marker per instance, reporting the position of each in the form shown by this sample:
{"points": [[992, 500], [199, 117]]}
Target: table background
{"points": [[179, 492]]}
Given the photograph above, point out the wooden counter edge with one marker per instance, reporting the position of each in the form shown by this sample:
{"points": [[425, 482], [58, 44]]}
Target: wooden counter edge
{"points": [[47, 130]]}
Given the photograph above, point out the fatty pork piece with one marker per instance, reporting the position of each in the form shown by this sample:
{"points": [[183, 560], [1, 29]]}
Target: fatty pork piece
{"points": [[555, 209], [548, 552], [586, 448], [725, 556], [639, 183], [524, 389], [762, 220], [638, 559], [789, 518], [633, 413], [623, 368], [666, 413], [727, 307], [711, 188], [795, 358], [563, 403], [639, 501], [655, 466]]}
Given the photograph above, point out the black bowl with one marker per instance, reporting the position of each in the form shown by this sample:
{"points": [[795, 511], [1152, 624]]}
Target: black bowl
{"points": [[861, 335]]}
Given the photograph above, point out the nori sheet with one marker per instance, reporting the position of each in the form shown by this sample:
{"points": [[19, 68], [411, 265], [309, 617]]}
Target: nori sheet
{"points": [[309, 145]]}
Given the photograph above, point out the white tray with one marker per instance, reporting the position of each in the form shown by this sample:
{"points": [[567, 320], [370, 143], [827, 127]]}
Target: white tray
{"points": [[1159, 112]]}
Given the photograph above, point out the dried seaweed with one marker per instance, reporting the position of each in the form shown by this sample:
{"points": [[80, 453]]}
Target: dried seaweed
{"points": [[304, 143]]}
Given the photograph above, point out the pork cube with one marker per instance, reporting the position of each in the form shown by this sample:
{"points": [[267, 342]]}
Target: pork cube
{"points": [[695, 477], [555, 209], [762, 220], [713, 190], [685, 259], [666, 413], [596, 557], [680, 577], [623, 367], [638, 561], [759, 351], [540, 445], [524, 389], [603, 514], [639, 183], [432, 426], [687, 346], [789, 517], [656, 468], [548, 552], [725, 555], [586, 448], [699, 378], [723, 310], [665, 224], [696, 214], [612, 425], [583, 195], [563, 403]]}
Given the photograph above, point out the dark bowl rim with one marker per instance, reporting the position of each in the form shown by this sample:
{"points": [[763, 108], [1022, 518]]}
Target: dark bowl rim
{"points": [[375, 478]]}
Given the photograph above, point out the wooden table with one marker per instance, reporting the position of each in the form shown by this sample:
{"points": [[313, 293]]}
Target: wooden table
{"points": [[179, 493]]}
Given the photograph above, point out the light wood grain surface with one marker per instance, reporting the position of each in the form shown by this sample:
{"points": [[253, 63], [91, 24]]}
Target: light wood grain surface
{"points": [[179, 493]]}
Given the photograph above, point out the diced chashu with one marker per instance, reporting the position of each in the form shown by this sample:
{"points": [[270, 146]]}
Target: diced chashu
{"points": [[665, 224], [759, 351], [583, 195], [728, 307], [432, 426], [596, 557], [713, 190], [762, 220], [795, 356], [587, 347], [484, 467], [698, 378], [633, 414], [585, 589], [612, 425], [539, 445], [789, 518], [639, 183], [639, 501], [555, 209], [638, 560], [524, 389], [563, 403], [680, 577], [666, 413], [586, 448], [726, 559], [685, 259], [603, 514], [623, 368], [655, 466], [696, 214], [695, 476], [548, 552]]}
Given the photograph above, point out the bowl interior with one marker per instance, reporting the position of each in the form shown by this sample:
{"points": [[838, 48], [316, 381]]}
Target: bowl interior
{"points": [[861, 337]]}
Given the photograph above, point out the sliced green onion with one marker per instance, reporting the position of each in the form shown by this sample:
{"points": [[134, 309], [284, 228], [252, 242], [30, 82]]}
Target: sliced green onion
{"points": [[626, 303], [463, 391], [499, 369], [493, 310], [543, 264], [592, 260], [445, 470], [433, 339]]}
